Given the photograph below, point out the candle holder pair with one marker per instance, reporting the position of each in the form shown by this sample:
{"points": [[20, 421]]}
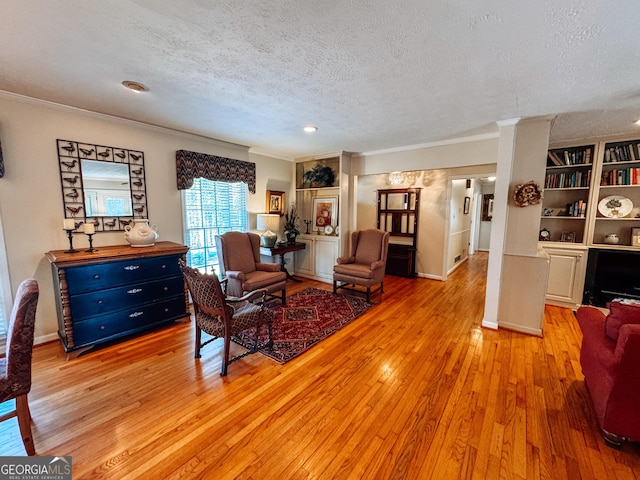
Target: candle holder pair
{"points": [[89, 230]]}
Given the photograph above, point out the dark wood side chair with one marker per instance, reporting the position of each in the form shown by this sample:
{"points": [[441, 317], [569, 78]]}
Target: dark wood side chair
{"points": [[223, 317], [15, 366]]}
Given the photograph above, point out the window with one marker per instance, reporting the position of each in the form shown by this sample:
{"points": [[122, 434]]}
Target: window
{"points": [[212, 208]]}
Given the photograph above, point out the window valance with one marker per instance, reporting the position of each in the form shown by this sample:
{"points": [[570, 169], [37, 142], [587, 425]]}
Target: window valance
{"points": [[192, 165]]}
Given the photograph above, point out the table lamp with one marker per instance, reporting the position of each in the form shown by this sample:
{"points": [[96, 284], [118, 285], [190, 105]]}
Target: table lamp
{"points": [[268, 222]]}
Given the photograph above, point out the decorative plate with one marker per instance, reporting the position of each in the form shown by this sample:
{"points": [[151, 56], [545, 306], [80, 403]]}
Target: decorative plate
{"points": [[328, 230], [527, 194], [615, 206]]}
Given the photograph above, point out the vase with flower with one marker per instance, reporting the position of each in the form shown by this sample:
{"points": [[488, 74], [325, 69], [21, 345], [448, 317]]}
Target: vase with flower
{"points": [[291, 223]]}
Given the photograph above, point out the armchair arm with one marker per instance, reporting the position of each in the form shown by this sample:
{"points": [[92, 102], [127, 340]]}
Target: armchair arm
{"points": [[249, 296], [342, 260], [378, 264], [267, 267], [236, 275], [629, 339]]}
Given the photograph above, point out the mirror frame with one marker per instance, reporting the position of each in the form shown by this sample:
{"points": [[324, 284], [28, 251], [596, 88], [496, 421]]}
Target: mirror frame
{"points": [[70, 154]]}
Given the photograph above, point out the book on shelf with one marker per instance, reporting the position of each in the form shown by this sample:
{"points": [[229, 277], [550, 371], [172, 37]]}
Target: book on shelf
{"points": [[624, 176], [577, 209], [620, 153], [569, 157]]}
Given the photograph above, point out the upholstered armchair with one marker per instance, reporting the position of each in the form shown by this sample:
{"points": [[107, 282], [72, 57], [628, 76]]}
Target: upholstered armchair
{"points": [[15, 366], [224, 317], [610, 359], [366, 265], [240, 263]]}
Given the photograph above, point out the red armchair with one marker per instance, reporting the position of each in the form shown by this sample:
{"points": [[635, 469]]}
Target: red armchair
{"points": [[610, 359]]}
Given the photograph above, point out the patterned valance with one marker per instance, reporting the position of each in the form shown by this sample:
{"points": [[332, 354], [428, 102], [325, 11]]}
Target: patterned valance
{"points": [[192, 165]]}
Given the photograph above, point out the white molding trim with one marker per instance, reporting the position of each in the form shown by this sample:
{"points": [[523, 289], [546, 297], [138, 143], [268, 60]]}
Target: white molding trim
{"points": [[430, 276], [521, 329], [488, 324], [122, 121], [45, 338], [265, 153], [453, 141]]}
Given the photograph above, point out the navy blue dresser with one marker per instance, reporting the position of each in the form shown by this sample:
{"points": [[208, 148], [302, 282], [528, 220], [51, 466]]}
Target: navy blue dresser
{"points": [[117, 291]]}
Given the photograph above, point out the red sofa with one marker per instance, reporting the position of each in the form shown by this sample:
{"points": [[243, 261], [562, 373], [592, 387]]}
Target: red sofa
{"points": [[610, 359]]}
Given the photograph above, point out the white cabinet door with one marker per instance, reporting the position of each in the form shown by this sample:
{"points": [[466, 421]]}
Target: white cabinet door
{"points": [[305, 259], [326, 254], [567, 268]]}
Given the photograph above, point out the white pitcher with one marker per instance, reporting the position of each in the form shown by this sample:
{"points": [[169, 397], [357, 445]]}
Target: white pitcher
{"points": [[141, 234]]}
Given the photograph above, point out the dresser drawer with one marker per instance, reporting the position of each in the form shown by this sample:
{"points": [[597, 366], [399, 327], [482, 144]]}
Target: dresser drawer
{"points": [[112, 325], [90, 304], [89, 278]]}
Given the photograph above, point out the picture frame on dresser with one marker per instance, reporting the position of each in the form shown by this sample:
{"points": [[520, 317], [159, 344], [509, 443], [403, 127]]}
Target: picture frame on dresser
{"points": [[635, 237]]}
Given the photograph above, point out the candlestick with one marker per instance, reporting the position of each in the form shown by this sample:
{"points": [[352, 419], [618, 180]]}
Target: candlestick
{"points": [[91, 249], [307, 223], [70, 235], [69, 224], [89, 228]]}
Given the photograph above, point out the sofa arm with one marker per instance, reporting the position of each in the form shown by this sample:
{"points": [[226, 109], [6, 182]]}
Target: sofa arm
{"points": [[629, 343], [268, 267], [590, 318]]}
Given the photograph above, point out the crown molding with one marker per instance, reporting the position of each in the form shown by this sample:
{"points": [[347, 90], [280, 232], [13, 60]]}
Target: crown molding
{"points": [[119, 120], [453, 141]]}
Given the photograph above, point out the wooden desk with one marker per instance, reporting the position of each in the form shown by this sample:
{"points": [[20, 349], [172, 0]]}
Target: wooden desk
{"points": [[282, 250]]}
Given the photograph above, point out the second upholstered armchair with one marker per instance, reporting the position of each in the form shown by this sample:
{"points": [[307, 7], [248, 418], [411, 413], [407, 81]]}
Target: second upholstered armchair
{"points": [[240, 264], [366, 264]]}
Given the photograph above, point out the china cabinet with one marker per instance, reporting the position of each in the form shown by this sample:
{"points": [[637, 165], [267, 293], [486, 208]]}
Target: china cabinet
{"points": [[116, 291]]}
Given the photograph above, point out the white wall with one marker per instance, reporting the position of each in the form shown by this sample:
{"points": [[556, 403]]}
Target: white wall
{"points": [[459, 225], [434, 208], [30, 193]]}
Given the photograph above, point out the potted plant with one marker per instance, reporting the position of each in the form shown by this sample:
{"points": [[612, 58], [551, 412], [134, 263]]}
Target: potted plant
{"points": [[291, 226], [319, 176]]}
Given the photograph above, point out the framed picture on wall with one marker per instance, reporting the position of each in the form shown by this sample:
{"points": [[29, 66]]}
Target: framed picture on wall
{"points": [[275, 202], [325, 213], [487, 207], [467, 202]]}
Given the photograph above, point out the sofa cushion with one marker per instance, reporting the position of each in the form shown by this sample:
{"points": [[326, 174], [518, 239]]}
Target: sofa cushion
{"points": [[620, 313]]}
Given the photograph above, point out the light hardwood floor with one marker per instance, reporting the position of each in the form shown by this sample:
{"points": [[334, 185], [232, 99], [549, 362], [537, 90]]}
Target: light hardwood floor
{"points": [[413, 389]]}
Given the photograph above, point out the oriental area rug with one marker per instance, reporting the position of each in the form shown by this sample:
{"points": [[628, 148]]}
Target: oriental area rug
{"points": [[308, 318]]}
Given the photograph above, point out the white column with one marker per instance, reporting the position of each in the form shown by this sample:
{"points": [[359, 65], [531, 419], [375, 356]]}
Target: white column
{"points": [[517, 272]]}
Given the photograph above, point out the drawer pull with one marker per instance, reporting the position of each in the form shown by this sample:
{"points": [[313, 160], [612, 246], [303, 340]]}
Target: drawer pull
{"points": [[132, 267], [166, 310], [96, 276], [134, 290], [166, 289], [164, 266], [102, 327], [136, 314], [100, 302]]}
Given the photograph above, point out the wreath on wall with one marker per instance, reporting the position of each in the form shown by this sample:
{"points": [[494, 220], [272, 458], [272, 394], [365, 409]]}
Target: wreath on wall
{"points": [[527, 194]]}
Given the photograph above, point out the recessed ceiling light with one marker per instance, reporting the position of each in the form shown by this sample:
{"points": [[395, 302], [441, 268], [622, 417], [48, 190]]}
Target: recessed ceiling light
{"points": [[637, 122], [135, 86], [491, 179], [310, 128]]}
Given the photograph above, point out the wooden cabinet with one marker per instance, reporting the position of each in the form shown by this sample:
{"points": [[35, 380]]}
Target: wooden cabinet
{"points": [[323, 187], [116, 291], [398, 214]]}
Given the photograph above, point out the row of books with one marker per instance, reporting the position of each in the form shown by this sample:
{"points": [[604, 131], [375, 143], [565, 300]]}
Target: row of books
{"points": [[577, 208], [621, 153], [568, 180], [625, 176], [569, 157]]}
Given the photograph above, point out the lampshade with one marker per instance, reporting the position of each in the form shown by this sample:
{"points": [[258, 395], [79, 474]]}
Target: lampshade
{"points": [[269, 223]]}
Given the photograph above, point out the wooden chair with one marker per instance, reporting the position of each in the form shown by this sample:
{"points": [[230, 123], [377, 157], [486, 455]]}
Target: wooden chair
{"points": [[223, 317], [366, 264], [240, 264], [15, 367]]}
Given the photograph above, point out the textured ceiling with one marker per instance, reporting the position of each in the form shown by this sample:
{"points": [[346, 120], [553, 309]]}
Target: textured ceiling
{"points": [[371, 74]]}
